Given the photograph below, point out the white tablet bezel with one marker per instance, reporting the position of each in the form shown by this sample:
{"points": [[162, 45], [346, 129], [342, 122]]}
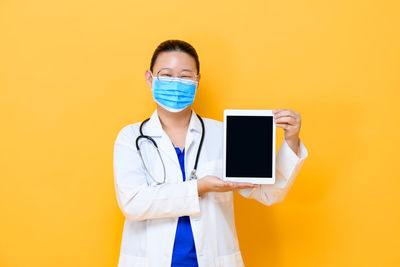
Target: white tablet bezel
{"points": [[249, 112]]}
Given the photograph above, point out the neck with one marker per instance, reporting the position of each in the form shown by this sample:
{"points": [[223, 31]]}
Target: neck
{"points": [[174, 120]]}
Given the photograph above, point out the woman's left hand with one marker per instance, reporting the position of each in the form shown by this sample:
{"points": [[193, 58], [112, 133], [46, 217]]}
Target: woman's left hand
{"points": [[290, 121]]}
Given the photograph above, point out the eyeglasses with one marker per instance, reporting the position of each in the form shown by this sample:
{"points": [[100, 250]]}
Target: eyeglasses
{"points": [[186, 77]]}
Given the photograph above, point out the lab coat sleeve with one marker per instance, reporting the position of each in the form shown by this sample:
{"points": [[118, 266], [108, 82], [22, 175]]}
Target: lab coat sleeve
{"points": [[288, 165], [140, 201]]}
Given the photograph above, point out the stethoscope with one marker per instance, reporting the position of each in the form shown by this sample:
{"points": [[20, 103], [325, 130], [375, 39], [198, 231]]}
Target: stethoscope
{"points": [[192, 174]]}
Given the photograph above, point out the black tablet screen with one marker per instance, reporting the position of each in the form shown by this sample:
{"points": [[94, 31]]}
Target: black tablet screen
{"points": [[249, 141]]}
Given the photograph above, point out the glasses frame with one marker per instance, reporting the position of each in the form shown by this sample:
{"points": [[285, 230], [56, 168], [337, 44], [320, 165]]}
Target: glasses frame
{"points": [[173, 78]]}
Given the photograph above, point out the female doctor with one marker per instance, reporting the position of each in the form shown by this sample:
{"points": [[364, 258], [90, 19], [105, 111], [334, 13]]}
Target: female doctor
{"points": [[167, 173]]}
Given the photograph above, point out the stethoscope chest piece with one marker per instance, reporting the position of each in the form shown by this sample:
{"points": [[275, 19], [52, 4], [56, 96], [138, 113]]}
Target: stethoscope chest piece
{"points": [[193, 175]]}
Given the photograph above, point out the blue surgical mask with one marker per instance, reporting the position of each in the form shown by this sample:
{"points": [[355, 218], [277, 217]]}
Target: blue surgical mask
{"points": [[173, 94]]}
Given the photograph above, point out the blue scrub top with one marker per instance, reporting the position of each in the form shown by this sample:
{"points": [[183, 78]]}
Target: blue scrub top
{"points": [[184, 252]]}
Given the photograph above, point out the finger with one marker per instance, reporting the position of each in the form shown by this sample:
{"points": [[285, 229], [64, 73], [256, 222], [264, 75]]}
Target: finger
{"points": [[284, 126], [285, 112], [244, 187], [289, 120], [240, 185], [277, 110], [287, 116], [227, 185], [244, 184]]}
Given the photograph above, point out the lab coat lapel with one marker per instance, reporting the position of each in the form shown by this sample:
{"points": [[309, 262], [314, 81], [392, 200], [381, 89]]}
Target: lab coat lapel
{"points": [[191, 142], [193, 129], [156, 131]]}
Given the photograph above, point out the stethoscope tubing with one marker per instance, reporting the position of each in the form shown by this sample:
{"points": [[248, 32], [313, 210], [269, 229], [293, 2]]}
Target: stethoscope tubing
{"points": [[192, 174]]}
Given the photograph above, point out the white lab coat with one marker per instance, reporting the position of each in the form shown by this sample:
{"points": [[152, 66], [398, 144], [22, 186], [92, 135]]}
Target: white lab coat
{"points": [[152, 211]]}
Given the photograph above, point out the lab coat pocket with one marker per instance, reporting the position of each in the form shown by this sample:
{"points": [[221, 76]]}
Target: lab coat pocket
{"points": [[126, 260]]}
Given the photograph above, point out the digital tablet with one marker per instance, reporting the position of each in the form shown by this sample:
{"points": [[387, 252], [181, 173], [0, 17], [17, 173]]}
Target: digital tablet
{"points": [[249, 146]]}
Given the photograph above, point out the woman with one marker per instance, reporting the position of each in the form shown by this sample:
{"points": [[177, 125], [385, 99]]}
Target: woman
{"points": [[186, 222]]}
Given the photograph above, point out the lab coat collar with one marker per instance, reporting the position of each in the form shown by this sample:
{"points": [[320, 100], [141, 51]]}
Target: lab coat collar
{"points": [[154, 127]]}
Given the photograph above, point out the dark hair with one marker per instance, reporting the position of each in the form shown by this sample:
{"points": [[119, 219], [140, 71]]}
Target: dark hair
{"points": [[175, 45]]}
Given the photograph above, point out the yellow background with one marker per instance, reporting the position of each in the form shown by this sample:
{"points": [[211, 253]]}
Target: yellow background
{"points": [[72, 75]]}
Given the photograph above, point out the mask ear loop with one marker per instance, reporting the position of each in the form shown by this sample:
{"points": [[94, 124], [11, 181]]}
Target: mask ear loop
{"points": [[152, 78]]}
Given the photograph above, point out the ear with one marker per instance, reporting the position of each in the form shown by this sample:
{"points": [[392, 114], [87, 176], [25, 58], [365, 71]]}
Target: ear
{"points": [[148, 77]]}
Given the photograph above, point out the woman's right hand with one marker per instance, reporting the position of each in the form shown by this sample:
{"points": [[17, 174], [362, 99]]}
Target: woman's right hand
{"points": [[214, 184]]}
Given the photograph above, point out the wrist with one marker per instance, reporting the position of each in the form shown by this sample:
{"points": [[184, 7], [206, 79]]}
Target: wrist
{"points": [[200, 187], [294, 144]]}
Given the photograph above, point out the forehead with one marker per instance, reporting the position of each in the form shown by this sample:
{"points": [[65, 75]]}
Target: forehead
{"points": [[175, 60]]}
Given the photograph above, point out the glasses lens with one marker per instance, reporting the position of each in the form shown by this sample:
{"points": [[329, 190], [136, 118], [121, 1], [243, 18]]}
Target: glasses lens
{"points": [[165, 76], [185, 77], [188, 77]]}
